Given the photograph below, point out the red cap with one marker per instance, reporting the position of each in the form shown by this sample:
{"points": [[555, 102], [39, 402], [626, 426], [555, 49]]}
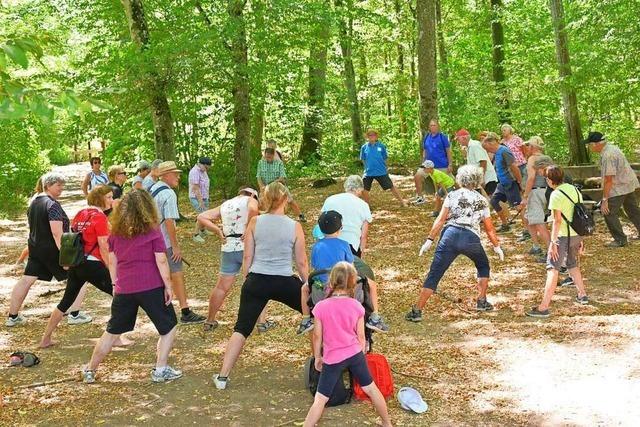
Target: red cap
{"points": [[462, 132]]}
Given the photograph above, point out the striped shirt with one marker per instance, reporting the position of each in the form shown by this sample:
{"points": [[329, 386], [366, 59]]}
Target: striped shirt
{"points": [[269, 172]]}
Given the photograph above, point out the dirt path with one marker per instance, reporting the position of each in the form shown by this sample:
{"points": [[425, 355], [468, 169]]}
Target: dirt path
{"points": [[580, 367]]}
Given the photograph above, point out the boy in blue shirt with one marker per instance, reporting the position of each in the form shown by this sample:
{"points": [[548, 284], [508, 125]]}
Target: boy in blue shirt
{"points": [[373, 155], [326, 253]]}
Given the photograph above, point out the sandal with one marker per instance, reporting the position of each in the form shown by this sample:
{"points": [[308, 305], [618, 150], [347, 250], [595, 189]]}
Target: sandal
{"points": [[210, 326]]}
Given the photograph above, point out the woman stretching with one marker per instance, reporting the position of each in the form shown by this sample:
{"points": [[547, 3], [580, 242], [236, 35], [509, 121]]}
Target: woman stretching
{"points": [[92, 223], [339, 343], [140, 271], [270, 242]]}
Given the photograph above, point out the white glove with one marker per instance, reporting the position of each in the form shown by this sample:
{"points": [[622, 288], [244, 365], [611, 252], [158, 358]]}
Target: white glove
{"points": [[498, 250], [425, 247]]}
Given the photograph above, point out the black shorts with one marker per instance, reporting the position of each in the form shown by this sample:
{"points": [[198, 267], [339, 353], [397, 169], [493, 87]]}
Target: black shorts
{"points": [[90, 271], [490, 187], [124, 311], [45, 268], [384, 181]]}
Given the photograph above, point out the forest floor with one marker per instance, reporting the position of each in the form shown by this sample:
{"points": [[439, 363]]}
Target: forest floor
{"points": [[580, 367]]}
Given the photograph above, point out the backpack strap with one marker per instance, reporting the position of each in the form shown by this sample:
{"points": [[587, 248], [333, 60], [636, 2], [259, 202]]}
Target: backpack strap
{"points": [[566, 220], [155, 193]]}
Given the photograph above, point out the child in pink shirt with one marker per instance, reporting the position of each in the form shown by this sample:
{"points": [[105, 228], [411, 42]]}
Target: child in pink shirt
{"points": [[339, 344]]}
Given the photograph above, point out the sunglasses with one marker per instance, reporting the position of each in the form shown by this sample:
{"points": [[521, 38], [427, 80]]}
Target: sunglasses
{"points": [[122, 173], [97, 162]]}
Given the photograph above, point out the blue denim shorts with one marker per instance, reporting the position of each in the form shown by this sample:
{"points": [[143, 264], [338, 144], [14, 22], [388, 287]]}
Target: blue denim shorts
{"points": [[196, 205], [231, 263]]}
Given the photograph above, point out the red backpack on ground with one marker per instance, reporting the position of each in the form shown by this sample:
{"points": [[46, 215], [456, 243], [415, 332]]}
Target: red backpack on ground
{"points": [[381, 373]]}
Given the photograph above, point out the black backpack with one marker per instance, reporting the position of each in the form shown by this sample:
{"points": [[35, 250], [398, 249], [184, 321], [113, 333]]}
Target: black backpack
{"points": [[582, 221], [341, 393], [72, 248]]}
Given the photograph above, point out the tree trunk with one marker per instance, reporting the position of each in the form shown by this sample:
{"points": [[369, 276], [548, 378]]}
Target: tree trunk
{"points": [[577, 150], [442, 50], [401, 87], [155, 90], [313, 121], [427, 78], [240, 92], [363, 80], [497, 38], [259, 89], [345, 35]]}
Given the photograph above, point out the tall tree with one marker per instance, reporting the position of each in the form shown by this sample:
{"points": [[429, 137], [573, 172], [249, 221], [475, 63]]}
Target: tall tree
{"points": [[345, 32], [427, 72], [313, 120], [259, 88], [442, 48], [577, 150], [497, 38], [401, 79], [240, 91], [154, 86]]}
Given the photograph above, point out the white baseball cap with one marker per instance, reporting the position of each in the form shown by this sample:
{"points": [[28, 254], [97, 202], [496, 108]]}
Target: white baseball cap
{"points": [[411, 400]]}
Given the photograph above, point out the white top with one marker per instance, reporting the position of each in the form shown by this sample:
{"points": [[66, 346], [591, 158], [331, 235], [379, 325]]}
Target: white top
{"points": [[467, 209], [234, 214], [355, 212], [475, 154]]}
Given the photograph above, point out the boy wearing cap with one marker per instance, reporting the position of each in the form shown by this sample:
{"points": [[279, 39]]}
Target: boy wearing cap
{"points": [[199, 192], [167, 203], [326, 253], [619, 184], [442, 182], [373, 155]]}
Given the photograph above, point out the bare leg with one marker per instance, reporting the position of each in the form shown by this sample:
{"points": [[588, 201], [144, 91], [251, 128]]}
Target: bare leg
{"points": [[544, 234], [397, 195], [263, 315], [231, 354], [316, 410], [576, 275], [165, 342], [19, 293], [503, 216], [373, 290], [378, 402], [103, 347], [218, 294], [425, 294], [365, 196], [438, 203], [77, 304], [54, 320], [483, 284], [549, 288], [304, 297], [533, 231], [418, 180], [179, 290]]}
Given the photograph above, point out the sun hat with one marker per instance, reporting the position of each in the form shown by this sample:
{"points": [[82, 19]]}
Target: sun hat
{"points": [[428, 164], [535, 142], [411, 400], [167, 167]]}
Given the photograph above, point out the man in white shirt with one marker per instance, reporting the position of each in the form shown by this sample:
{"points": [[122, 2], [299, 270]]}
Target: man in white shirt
{"points": [[478, 156]]}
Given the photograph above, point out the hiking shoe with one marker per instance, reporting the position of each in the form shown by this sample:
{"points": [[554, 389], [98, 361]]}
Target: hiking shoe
{"points": [[524, 237], [420, 200], [302, 218], [15, 322], [210, 326], [191, 318], [535, 251], [534, 312], [198, 238], [264, 327], [566, 282], [504, 228], [165, 374], [414, 315], [377, 324], [306, 325], [88, 376], [584, 300], [616, 244], [483, 305], [221, 383], [81, 318]]}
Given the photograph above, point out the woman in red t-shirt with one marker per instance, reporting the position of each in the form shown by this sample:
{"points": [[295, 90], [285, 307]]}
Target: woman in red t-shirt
{"points": [[92, 223]]}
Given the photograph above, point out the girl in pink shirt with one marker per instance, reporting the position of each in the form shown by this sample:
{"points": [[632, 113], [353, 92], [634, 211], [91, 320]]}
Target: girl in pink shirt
{"points": [[339, 344]]}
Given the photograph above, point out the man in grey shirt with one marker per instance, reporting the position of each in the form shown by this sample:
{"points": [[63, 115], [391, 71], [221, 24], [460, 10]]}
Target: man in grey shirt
{"points": [[167, 202], [619, 184]]}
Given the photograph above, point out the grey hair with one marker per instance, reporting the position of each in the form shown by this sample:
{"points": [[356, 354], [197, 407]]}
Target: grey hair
{"points": [[506, 126], [51, 178], [353, 183], [156, 163], [470, 177]]}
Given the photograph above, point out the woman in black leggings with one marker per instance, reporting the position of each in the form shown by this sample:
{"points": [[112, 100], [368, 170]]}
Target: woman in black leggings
{"points": [[270, 242], [92, 223]]}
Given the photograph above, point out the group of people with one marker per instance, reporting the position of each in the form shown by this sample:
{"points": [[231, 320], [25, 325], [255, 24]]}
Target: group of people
{"points": [[133, 253]]}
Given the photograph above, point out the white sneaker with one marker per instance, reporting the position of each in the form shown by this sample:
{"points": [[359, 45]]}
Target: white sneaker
{"points": [[420, 200], [81, 318], [15, 322], [165, 375], [220, 384], [207, 232], [198, 238]]}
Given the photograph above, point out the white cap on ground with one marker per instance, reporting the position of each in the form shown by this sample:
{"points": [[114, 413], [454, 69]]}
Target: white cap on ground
{"points": [[411, 400]]}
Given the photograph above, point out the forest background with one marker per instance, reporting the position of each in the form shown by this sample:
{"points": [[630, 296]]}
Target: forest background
{"points": [[177, 79]]}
